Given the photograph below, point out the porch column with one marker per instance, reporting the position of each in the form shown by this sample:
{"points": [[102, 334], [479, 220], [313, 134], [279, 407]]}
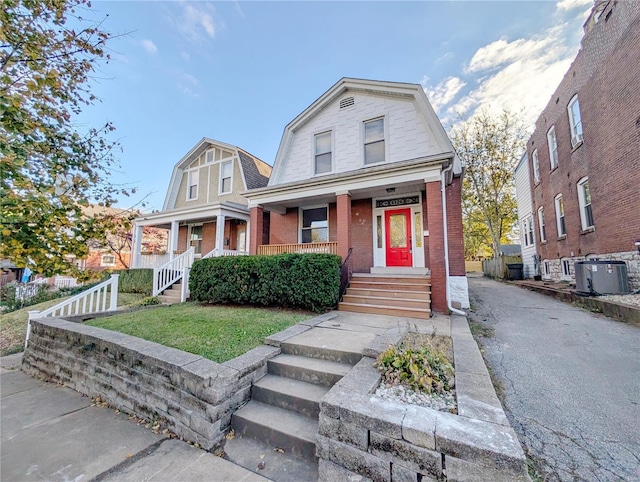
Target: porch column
{"points": [[136, 246], [436, 247], [219, 234], [343, 209], [256, 226], [173, 239]]}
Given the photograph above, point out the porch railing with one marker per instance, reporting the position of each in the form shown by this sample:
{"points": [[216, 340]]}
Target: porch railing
{"points": [[171, 272], [214, 253], [271, 249], [101, 298]]}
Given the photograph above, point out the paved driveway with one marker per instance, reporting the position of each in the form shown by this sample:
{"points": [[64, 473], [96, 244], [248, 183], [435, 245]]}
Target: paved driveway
{"points": [[571, 381]]}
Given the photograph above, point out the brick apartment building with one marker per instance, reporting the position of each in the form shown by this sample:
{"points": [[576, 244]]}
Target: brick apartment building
{"points": [[584, 155]]}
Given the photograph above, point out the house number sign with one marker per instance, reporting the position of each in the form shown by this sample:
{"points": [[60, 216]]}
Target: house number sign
{"points": [[401, 201]]}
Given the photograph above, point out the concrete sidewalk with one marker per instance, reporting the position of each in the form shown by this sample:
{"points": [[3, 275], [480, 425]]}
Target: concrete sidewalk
{"points": [[53, 433]]}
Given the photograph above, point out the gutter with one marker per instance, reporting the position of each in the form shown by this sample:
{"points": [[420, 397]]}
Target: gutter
{"points": [[446, 240]]}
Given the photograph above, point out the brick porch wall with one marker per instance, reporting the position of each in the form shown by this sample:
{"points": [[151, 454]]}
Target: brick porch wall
{"points": [[436, 248], [454, 228], [284, 227], [362, 235]]}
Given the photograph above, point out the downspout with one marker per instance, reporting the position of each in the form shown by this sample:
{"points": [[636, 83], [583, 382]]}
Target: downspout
{"points": [[446, 240]]}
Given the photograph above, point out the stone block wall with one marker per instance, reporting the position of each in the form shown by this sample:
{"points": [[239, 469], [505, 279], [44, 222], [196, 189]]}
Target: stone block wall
{"points": [[194, 397], [365, 437]]}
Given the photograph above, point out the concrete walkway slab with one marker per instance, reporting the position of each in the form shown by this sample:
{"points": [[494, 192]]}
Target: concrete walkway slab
{"points": [[176, 461]]}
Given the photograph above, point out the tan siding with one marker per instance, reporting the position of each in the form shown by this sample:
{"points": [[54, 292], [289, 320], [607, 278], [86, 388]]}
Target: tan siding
{"points": [[238, 185], [181, 200]]}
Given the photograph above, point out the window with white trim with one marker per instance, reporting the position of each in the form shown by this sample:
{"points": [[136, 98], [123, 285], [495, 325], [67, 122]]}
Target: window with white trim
{"points": [[575, 121], [536, 166], [374, 141], [108, 260], [226, 177], [322, 153], [527, 231], [584, 199], [315, 225], [192, 184], [552, 142], [560, 224], [543, 231]]}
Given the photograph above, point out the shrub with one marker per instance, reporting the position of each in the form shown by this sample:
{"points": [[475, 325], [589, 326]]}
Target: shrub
{"points": [[147, 301], [11, 301], [307, 281], [422, 370], [135, 281]]}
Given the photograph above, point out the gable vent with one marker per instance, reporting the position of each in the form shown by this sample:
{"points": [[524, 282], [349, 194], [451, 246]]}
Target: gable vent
{"points": [[347, 102]]}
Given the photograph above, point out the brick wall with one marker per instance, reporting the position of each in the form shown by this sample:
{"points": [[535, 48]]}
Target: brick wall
{"points": [[453, 194], [208, 237], [605, 76], [284, 227], [183, 232], [362, 235], [436, 248], [258, 231]]}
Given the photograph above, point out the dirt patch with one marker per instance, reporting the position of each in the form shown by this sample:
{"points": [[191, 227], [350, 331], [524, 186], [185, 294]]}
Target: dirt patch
{"points": [[439, 343]]}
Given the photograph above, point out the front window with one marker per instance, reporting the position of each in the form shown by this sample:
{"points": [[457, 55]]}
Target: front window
{"points": [[315, 225], [575, 121], [192, 188], [108, 260], [226, 173], [543, 231], [323, 152], [584, 199], [562, 230], [553, 147], [536, 166], [374, 141], [195, 239]]}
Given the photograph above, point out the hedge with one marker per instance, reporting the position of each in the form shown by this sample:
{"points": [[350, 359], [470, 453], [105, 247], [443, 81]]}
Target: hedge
{"points": [[306, 281], [135, 281]]}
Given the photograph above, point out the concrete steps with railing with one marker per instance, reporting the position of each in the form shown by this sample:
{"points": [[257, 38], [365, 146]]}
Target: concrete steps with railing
{"points": [[171, 295], [407, 295]]}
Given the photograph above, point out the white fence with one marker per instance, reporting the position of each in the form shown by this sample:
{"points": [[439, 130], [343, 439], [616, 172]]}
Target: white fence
{"points": [[152, 260], [99, 299], [172, 272]]}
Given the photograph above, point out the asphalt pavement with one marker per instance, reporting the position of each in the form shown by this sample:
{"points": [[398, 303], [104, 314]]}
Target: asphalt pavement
{"points": [[571, 381]]}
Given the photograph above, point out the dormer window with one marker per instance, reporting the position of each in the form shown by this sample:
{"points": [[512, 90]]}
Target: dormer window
{"points": [[192, 186], [322, 152], [226, 175], [374, 141]]}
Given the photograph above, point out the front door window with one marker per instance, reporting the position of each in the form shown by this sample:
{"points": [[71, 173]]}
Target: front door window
{"points": [[398, 237]]}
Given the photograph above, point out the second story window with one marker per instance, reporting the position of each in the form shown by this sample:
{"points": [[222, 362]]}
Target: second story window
{"points": [[553, 147], [226, 174], [322, 152], [543, 231], [536, 166], [192, 186], [374, 141], [584, 199], [527, 229], [575, 121], [562, 229]]}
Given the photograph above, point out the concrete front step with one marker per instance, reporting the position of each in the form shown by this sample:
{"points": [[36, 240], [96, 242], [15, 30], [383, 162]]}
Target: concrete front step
{"points": [[290, 394], [388, 285], [396, 279], [340, 356], [403, 294], [385, 310], [311, 370], [382, 300], [292, 432]]}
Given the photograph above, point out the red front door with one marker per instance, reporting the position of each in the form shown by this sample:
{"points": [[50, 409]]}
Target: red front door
{"points": [[398, 237]]}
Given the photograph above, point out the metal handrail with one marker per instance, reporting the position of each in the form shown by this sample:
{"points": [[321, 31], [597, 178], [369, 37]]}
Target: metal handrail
{"points": [[345, 275]]}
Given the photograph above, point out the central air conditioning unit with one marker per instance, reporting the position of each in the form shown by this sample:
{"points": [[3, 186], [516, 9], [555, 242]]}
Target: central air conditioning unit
{"points": [[601, 277]]}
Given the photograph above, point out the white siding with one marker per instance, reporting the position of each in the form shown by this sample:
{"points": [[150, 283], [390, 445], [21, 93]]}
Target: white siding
{"points": [[406, 136], [525, 209]]}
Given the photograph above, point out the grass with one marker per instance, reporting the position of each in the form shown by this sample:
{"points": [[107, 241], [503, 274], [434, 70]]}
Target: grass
{"points": [[218, 333], [13, 326]]}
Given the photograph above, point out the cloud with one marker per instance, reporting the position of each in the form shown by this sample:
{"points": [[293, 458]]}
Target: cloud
{"points": [[187, 84], [195, 21], [443, 93], [149, 46], [518, 75], [566, 5]]}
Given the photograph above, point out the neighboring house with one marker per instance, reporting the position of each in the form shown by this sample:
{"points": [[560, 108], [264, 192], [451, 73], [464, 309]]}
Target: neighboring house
{"points": [[203, 194], [527, 225], [584, 153], [362, 171]]}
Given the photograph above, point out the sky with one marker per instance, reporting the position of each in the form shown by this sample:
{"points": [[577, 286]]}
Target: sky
{"points": [[238, 72]]}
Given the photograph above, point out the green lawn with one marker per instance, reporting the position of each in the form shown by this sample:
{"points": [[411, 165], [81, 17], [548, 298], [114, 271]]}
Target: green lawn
{"points": [[13, 326], [218, 333]]}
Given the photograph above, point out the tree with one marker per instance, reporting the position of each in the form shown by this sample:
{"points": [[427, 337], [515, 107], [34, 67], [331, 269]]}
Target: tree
{"points": [[490, 147], [51, 169]]}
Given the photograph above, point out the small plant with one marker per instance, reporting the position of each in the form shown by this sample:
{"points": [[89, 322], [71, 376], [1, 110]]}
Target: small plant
{"points": [[147, 301], [422, 370]]}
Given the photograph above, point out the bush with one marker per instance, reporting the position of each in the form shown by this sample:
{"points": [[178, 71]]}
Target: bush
{"points": [[307, 281], [147, 301], [10, 301], [135, 281]]}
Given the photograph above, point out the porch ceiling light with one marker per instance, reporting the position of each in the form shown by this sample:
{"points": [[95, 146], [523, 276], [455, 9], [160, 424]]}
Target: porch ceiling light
{"points": [[391, 189]]}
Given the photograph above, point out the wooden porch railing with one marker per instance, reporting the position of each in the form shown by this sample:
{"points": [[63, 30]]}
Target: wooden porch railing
{"points": [[271, 249]]}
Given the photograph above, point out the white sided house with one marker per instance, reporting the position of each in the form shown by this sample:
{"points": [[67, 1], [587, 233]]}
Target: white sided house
{"points": [[203, 210], [526, 217], [367, 172]]}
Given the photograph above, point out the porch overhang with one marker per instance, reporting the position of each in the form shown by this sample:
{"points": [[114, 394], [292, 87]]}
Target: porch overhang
{"points": [[206, 212], [401, 177]]}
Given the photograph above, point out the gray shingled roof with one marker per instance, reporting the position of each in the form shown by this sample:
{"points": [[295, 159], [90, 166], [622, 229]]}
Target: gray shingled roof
{"points": [[256, 172]]}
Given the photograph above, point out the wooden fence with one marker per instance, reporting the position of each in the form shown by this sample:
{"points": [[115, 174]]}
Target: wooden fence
{"points": [[497, 268]]}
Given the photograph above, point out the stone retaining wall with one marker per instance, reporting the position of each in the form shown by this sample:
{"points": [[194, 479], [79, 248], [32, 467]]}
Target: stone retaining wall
{"points": [[194, 397], [365, 437]]}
